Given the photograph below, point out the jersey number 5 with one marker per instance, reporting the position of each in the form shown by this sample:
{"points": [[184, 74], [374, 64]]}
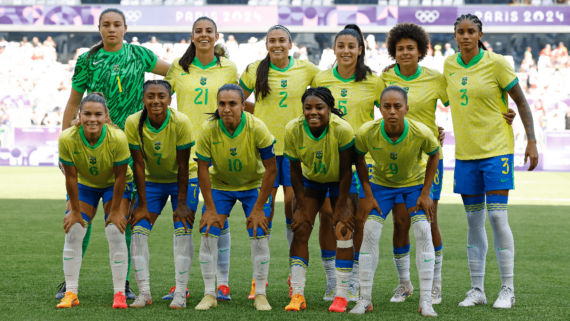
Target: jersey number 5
{"points": [[464, 96], [341, 106]]}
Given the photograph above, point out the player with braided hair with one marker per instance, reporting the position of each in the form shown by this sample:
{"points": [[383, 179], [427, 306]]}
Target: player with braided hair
{"points": [[479, 84], [279, 81], [319, 146], [160, 139], [196, 78]]}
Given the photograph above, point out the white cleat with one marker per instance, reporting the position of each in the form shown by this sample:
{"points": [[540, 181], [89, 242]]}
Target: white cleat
{"points": [[179, 301], [426, 309], [362, 306], [402, 292], [353, 292], [474, 297], [506, 299], [142, 300], [330, 292], [436, 292]]}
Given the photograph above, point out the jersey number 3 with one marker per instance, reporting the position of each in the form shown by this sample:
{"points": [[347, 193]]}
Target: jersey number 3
{"points": [[464, 96]]}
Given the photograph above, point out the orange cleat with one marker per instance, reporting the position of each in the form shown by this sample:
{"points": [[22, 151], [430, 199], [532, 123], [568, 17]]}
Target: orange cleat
{"points": [[297, 303], [119, 301], [339, 304], [69, 300], [251, 295]]}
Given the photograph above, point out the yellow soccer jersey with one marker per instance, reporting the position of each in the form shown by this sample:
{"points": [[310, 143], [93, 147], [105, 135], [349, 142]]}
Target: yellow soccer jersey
{"points": [[401, 163], [161, 144], [95, 164], [236, 162], [319, 156], [424, 88], [283, 103], [197, 91], [478, 95]]}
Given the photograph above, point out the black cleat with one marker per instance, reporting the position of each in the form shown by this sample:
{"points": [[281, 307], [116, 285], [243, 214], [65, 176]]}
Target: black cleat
{"points": [[128, 292], [60, 291]]}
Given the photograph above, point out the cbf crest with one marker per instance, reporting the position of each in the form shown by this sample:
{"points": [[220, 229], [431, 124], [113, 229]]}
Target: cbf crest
{"points": [[203, 81], [92, 160], [116, 68], [319, 154], [394, 155], [464, 81], [283, 83], [343, 92], [233, 151], [157, 145]]}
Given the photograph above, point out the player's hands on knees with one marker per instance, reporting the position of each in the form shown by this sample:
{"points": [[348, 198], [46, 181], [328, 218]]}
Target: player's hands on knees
{"points": [[71, 218], [118, 219], [365, 206], [140, 213], [257, 219], [510, 116], [532, 153], [345, 217], [209, 218], [185, 215], [299, 218], [425, 203], [441, 134]]}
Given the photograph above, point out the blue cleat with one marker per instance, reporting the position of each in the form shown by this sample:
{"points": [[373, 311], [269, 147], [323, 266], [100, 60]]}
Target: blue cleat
{"points": [[60, 291], [223, 293], [170, 296], [129, 293]]}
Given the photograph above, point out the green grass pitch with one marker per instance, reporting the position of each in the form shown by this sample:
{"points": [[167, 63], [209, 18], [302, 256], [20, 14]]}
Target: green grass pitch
{"points": [[31, 242]]}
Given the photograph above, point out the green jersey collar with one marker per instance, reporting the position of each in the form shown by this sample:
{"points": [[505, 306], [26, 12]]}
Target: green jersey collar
{"points": [[402, 137], [198, 64], [239, 129], [473, 61], [291, 63], [339, 77], [99, 142], [156, 131], [308, 130], [412, 77], [114, 53]]}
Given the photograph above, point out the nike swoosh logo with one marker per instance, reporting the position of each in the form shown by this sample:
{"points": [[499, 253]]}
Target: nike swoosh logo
{"points": [[428, 260], [502, 249], [139, 270], [364, 253], [184, 73], [471, 246], [345, 281], [204, 262], [224, 250], [119, 262], [435, 190], [75, 152], [192, 202], [378, 148], [67, 259], [451, 74], [265, 262], [392, 82], [399, 266], [215, 143], [303, 147], [504, 180], [180, 272], [437, 262], [94, 63]]}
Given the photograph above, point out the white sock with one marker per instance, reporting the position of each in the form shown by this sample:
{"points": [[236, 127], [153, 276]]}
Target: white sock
{"points": [[477, 244], [403, 266], [437, 267], [369, 257], [504, 244], [140, 259], [118, 256], [342, 280], [297, 279], [425, 257], [184, 253], [355, 274], [208, 263], [260, 260], [224, 249], [72, 256], [288, 231], [328, 258]]}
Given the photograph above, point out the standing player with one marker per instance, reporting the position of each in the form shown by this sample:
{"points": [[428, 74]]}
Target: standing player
{"points": [[319, 146], [196, 78], [397, 146], [279, 81], [117, 70], [160, 139], [95, 157], [354, 88], [240, 149], [477, 85]]}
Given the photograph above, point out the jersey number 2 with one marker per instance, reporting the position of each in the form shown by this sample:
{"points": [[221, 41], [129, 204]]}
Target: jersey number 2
{"points": [[197, 99], [282, 103]]}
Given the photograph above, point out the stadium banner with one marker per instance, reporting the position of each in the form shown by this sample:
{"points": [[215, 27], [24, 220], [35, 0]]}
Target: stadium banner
{"points": [[265, 16], [33, 146]]}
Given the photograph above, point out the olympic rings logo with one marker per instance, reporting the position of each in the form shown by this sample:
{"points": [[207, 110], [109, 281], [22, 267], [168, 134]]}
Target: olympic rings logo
{"points": [[427, 16], [133, 15]]}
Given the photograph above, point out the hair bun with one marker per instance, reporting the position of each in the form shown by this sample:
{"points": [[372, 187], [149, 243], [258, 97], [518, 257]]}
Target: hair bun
{"points": [[98, 93], [222, 50], [353, 27]]}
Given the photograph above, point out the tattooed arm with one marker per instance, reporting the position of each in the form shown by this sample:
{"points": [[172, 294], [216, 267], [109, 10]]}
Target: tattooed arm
{"points": [[517, 95]]}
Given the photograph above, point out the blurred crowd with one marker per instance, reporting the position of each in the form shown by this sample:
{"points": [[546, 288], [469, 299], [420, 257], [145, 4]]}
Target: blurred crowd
{"points": [[34, 86]]}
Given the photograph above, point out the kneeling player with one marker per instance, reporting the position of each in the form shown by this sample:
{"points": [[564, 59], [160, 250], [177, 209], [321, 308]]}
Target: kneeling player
{"points": [[240, 149], [95, 157], [160, 139], [397, 146], [319, 146]]}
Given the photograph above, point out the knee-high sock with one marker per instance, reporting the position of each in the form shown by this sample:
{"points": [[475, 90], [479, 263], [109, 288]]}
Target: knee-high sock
{"points": [[140, 253], [355, 274], [369, 257], [269, 228], [298, 267], [503, 240], [402, 262], [425, 255], [224, 249], [477, 244], [328, 258], [72, 256], [343, 271], [209, 259], [118, 256], [438, 262], [128, 237], [260, 260], [86, 240], [183, 255], [288, 231]]}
